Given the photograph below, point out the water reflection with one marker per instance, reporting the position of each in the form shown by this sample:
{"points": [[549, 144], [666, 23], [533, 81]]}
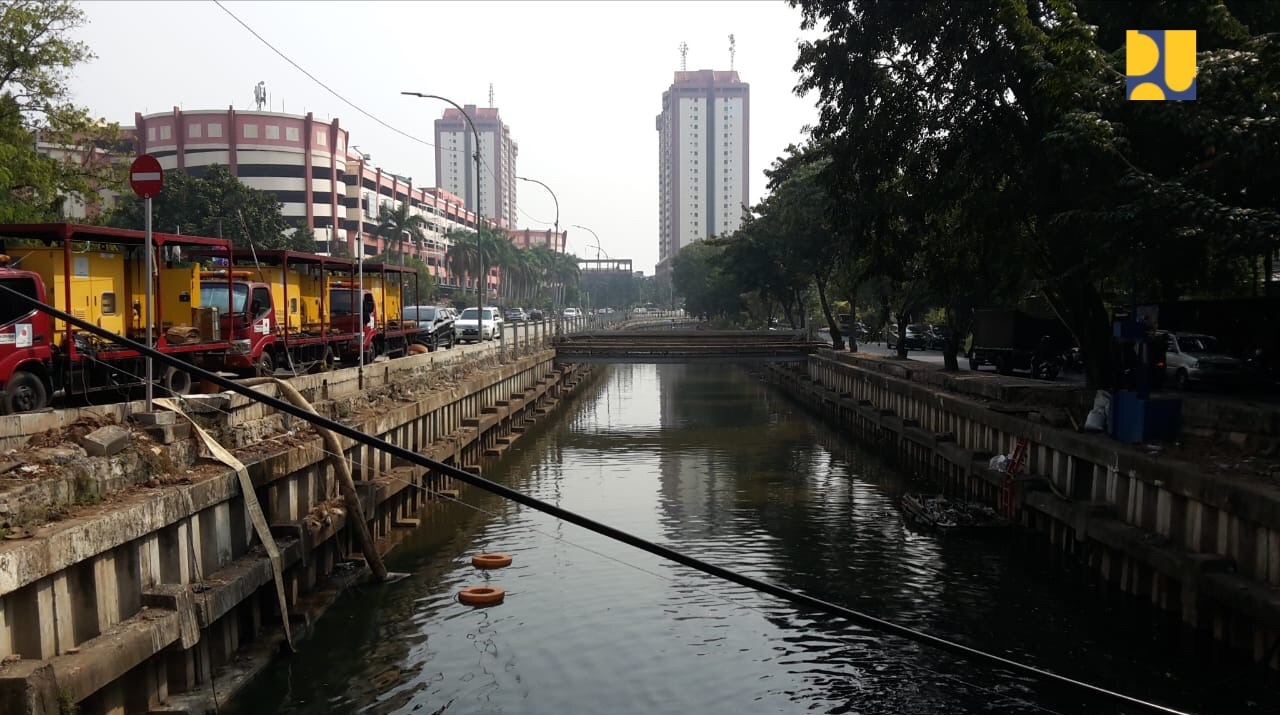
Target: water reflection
{"points": [[707, 460]]}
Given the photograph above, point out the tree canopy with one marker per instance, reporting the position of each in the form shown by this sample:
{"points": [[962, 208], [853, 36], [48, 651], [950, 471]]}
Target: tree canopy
{"points": [[972, 155], [37, 55], [218, 205]]}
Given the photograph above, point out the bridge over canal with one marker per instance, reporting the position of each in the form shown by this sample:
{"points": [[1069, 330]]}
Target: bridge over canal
{"points": [[684, 344]]}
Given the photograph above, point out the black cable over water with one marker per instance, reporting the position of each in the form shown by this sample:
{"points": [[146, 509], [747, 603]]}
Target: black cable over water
{"points": [[800, 599]]}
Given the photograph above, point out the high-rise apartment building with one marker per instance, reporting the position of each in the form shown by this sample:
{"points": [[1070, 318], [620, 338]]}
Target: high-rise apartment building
{"points": [[455, 162], [703, 162]]}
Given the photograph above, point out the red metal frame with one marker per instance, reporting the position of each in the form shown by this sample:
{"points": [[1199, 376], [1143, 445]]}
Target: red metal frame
{"points": [[69, 233]]}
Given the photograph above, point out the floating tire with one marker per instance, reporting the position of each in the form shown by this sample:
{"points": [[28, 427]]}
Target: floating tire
{"points": [[481, 596], [490, 561]]}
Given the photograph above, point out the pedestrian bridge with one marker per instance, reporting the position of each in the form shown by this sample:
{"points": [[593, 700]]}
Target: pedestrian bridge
{"points": [[684, 344]]}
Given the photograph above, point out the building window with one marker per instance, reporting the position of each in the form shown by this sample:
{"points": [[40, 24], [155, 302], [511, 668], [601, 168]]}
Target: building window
{"points": [[151, 134], [251, 131], [215, 130], [273, 131], [193, 131], [322, 138], [166, 132], [291, 134]]}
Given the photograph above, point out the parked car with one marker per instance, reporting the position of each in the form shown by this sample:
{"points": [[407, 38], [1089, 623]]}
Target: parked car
{"points": [[474, 326], [436, 324], [516, 315], [571, 313], [535, 314], [917, 337], [1192, 359]]}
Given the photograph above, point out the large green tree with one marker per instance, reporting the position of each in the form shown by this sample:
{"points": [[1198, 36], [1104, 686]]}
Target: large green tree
{"points": [[37, 55], [216, 205], [1025, 100]]}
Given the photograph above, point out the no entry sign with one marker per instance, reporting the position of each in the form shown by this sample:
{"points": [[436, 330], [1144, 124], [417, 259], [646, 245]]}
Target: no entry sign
{"points": [[145, 176]]}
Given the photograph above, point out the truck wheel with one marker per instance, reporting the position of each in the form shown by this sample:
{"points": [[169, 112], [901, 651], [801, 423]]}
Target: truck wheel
{"points": [[176, 381], [266, 365], [24, 393], [1182, 380]]}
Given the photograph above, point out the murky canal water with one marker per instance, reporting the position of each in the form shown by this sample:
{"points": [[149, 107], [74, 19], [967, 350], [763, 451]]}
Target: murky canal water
{"points": [[708, 460]]}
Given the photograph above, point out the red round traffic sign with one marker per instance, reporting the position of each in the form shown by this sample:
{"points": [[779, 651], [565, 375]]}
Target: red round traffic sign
{"points": [[145, 176]]}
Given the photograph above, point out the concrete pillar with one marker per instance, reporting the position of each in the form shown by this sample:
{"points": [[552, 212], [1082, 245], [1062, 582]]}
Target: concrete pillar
{"points": [[104, 584], [197, 546], [46, 624], [63, 613], [155, 682], [222, 529], [149, 568], [111, 700]]}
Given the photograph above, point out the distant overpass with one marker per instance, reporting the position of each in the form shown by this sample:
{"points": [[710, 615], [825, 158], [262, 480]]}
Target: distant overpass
{"points": [[685, 344]]}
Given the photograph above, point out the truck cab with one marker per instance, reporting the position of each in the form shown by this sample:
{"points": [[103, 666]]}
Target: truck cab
{"points": [[343, 297], [246, 315], [26, 344]]}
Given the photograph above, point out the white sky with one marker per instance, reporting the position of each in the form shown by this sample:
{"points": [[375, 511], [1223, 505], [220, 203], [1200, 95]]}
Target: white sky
{"points": [[579, 83]]}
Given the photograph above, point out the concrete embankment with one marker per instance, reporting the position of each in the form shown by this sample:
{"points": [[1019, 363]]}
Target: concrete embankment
{"points": [[1194, 537], [136, 581]]}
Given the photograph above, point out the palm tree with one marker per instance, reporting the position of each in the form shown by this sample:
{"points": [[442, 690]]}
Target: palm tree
{"points": [[518, 272], [394, 225], [473, 253], [542, 260], [565, 272]]}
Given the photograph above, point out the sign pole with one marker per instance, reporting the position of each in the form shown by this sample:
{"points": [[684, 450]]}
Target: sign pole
{"points": [[147, 259], [147, 178]]}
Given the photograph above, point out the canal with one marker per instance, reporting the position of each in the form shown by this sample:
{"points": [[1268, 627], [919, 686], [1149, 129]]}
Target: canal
{"points": [[709, 460]]}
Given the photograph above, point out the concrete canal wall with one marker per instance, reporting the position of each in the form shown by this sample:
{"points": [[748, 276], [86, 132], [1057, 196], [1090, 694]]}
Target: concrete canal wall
{"points": [[1200, 543], [137, 582]]}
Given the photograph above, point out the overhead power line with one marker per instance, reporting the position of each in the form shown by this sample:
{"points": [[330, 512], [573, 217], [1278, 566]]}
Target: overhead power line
{"points": [[483, 160], [785, 594], [317, 80]]}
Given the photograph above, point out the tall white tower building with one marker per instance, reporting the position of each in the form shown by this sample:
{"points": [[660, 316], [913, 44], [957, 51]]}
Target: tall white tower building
{"points": [[703, 161], [455, 162]]}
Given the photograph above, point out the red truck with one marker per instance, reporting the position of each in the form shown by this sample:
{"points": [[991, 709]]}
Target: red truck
{"points": [[385, 292], [282, 314], [98, 275]]}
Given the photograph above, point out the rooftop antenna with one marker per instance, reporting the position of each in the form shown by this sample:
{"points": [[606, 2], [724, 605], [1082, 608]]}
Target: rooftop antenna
{"points": [[732, 51], [260, 95], [491, 95], [684, 52]]}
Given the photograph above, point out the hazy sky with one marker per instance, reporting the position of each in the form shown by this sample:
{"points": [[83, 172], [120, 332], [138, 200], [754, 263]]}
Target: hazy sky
{"points": [[579, 83]]}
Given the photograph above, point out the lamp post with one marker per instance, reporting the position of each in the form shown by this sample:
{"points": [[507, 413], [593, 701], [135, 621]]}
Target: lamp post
{"points": [[482, 283], [593, 234], [598, 249], [553, 198]]}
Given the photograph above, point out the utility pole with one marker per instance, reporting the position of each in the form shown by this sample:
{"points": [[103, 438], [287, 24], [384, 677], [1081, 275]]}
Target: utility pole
{"points": [[482, 284]]}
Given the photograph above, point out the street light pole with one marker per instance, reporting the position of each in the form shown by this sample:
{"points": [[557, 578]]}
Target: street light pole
{"points": [[597, 238], [553, 198], [482, 284]]}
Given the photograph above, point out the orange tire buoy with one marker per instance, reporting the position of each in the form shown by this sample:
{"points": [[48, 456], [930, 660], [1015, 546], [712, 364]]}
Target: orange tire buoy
{"points": [[481, 595], [490, 561]]}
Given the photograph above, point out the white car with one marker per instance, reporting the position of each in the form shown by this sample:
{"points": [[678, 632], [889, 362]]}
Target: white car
{"points": [[571, 313], [468, 331]]}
